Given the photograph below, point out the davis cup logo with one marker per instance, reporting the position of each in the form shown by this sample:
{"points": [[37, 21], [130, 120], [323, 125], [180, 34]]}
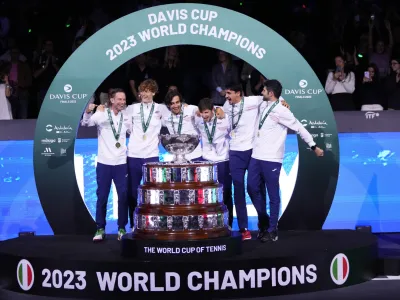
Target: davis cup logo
{"points": [[303, 83], [25, 275], [67, 88], [340, 269]]}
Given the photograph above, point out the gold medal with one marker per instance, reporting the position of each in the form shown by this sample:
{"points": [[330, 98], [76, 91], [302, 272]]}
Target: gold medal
{"points": [[117, 145], [144, 137]]}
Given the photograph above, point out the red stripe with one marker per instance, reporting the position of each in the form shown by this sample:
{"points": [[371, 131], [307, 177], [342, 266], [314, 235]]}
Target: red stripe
{"points": [[345, 267], [30, 275]]}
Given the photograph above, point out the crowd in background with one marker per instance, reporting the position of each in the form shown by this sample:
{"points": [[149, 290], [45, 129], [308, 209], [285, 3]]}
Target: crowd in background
{"points": [[352, 45]]}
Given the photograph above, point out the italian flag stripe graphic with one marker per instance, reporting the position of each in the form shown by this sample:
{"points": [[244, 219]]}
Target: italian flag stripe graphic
{"points": [[345, 267], [335, 269], [340, 269], [25, 274]]}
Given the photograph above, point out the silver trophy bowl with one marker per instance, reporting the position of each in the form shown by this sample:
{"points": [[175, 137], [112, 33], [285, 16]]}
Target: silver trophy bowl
{"points": [[179, 145]]}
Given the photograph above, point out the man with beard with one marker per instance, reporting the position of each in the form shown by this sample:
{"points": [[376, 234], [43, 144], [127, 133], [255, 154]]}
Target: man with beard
{"points": [[243, 114], [112, 126], [269, 147]]}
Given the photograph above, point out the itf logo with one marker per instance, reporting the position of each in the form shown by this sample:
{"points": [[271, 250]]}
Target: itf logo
{"points": [[303, 83], [371, 115], [68, 88], [340, 269], [25, 275]]}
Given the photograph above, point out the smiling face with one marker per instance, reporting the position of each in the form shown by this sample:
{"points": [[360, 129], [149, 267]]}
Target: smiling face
{"points": [[176, 105], [207, 114], [118, 102], [146, 96]]}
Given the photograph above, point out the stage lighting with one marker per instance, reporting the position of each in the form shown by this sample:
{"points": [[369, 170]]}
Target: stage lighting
{"points": [[360, 55]]}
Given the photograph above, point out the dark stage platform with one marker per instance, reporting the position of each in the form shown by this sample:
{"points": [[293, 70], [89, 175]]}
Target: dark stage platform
{"points": [[73, 266]]}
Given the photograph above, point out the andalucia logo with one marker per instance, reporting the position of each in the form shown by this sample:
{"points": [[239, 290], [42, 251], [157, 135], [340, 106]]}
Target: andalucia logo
{"points": [[340, 269], [25, 275]]}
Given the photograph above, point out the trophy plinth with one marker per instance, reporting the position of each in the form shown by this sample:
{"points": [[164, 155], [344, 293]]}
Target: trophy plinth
{"points": [[180, 200]]}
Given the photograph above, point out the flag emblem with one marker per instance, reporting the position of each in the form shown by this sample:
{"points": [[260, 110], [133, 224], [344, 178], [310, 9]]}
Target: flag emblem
{"points": [[340, 269], [25, 275]]}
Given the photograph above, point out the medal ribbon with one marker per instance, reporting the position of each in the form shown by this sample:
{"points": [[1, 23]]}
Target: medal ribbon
{"points": [[234, 125], [146, 126], [210, 137], [180, 122], [116, 134], [261, 122]]}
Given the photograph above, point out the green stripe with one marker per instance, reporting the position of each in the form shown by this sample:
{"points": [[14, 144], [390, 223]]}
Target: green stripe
{"points": [[335, 269], [20, 275]]}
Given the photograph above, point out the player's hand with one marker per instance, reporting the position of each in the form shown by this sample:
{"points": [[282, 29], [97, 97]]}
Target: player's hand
{"points": [[90, 108], [219, 113], [101, 108], [319, 152]]}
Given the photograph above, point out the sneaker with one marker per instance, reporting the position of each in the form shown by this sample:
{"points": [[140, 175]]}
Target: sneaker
{"points": [[262, 230], [100, 235], [246, 235], [121, 232], [270, 236], [261, 233]]}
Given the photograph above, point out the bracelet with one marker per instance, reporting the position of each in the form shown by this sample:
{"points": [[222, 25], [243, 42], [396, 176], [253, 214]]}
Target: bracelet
{"points": [[313, 147]]}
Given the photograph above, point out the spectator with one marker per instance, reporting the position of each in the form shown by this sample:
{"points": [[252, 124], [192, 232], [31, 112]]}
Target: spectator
{"points": [[20, 78], [5, 92], [340, 84], [381, 55], [392, 85], [45, 69], [223, 73], [170, 73], [371, 90]]}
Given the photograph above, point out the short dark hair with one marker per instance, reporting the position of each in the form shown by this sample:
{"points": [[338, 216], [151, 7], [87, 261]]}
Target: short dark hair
{"points": [[274, 86], [170, 95], [113, 92], [205, 103], [236, 87]]}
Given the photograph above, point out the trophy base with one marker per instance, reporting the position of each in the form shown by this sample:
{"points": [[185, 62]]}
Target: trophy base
{"points": [[193, 235], [159, 249]]}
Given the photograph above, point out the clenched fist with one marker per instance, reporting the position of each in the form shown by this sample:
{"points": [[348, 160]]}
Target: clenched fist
{"points": [[90, 108]]}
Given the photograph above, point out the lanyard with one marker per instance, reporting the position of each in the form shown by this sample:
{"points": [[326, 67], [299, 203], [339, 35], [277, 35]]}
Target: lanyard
{"points": [[180, 122], [234, 125], [210, 137], [261, 122], [146, 126], [116, 134]]}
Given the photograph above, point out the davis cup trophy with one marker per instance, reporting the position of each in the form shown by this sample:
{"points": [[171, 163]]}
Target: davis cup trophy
{"points": [[180, 200]]}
